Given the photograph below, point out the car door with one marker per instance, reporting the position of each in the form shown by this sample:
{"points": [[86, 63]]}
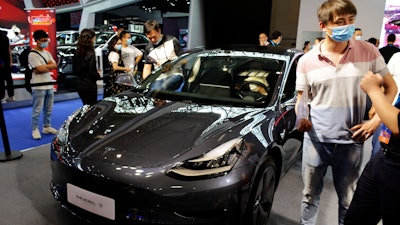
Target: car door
{"points": [[290, 138]]}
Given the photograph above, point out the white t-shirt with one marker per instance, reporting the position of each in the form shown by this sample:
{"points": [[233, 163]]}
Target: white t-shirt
{"points": [[394, 68], [36, 60], [129, 55], [113, 57]]}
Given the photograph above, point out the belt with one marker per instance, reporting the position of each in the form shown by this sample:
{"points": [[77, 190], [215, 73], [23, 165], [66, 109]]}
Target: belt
{"points": [[391, 154]]}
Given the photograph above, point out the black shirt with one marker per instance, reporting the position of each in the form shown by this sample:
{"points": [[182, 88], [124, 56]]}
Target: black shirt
{"points": [[394, 142], [388, 51]]}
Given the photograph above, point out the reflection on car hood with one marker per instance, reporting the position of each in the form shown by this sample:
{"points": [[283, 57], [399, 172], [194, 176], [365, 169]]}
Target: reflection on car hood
{"points": [[139, 133]]}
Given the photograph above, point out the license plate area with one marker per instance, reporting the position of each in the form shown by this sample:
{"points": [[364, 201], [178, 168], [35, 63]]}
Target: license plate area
{"points": [[92, 202]]}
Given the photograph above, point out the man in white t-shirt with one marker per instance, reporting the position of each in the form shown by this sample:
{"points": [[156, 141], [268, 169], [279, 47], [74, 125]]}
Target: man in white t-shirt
{"points": [[394, 68], [131, 55], [42, 63]]}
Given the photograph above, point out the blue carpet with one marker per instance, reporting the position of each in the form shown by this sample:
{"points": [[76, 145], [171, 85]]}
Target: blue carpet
{"points": [[18, 124]]}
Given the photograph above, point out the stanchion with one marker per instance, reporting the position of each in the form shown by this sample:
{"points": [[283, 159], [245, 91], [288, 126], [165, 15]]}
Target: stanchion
{"points": [[9, 155]]}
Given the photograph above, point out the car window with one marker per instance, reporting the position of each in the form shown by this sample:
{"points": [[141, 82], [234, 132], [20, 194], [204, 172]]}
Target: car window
{"points": [[136, 39], [289, 90], [228, 77], [102, 38], [67, 38]]}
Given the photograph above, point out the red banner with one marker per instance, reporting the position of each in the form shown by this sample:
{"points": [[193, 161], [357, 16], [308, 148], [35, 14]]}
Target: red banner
{"points": [[44, 19]]}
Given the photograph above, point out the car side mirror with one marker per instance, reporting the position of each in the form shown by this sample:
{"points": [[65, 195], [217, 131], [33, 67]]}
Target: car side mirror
{"points": [[125, 79]]}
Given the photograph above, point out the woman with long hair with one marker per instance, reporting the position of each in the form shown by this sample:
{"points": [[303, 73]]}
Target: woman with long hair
{"points": [[84, 65]]}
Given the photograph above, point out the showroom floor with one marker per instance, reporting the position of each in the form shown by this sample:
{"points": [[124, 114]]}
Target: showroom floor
{"points": [[26, 198]]}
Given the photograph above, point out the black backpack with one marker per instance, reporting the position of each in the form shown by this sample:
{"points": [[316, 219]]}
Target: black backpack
{"points": [[23, 59]]}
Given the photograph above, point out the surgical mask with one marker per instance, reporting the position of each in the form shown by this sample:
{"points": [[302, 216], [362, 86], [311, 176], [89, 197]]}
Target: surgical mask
{"points": [[44, 44], [129, 41], [342, 33], [358, 37], [118, 47]]}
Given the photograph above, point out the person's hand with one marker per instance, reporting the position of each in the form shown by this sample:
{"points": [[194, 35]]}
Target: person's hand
{"points": [[363, 131], [166, 68], [371, 82], [304, 125], [371, 112]]}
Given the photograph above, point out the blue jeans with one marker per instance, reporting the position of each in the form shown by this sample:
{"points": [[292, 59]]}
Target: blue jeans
{"points": [[376, 144], [345, 160], [43, 100]]}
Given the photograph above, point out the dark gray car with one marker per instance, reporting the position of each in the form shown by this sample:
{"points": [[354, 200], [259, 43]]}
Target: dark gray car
{"points": [[205, 139]]}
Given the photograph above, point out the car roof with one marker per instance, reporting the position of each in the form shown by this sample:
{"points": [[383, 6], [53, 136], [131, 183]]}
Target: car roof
{"points": [[280, 50]]}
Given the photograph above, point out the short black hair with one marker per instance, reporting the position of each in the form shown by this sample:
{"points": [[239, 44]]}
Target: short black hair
{"points": [[275, 34], [150, 25], [373, 41], [391, 38], [39, 34], [123, 33]]}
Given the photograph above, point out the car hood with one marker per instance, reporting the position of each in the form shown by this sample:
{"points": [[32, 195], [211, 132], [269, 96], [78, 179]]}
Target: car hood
{"points": [[139, 131]]}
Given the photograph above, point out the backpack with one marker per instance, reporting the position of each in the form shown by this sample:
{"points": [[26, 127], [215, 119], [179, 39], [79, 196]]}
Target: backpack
{"points": [[23, 60]]}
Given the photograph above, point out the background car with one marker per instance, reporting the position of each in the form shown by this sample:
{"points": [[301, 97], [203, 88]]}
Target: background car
{"points": [[197, 142], [66, 46]]}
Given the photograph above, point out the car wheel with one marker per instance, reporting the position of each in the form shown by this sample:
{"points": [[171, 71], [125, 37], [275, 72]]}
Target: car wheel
{"points": [[262, 194]]}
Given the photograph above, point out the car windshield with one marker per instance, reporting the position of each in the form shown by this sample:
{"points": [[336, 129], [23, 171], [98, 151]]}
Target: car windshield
{"points": [[103, 37], [228, 76], [139, 39], [67, 38]]}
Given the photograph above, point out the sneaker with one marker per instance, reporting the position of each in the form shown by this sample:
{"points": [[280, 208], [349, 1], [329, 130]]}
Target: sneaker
{"points": [[3, 101], [49, 130], [36, 134], [10, 99]]}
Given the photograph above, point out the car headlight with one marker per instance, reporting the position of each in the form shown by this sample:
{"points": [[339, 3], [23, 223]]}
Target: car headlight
{"points": [[217, 161], [60, 141]]}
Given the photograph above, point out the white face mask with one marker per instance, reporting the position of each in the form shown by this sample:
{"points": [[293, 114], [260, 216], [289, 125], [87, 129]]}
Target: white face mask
{"points": [[359, 37]]}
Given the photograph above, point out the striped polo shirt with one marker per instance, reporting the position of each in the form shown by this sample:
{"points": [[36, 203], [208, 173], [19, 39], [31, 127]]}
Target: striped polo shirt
{"points": [[337, 100]]}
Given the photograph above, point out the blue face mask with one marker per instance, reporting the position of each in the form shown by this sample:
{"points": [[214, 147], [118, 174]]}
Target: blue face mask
{"points": [[129, 41], [44, 44], [118, 47], [342, 33]]}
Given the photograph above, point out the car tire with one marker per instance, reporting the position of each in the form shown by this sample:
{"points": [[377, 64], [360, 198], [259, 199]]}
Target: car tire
{"points": [[262, 194]]}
